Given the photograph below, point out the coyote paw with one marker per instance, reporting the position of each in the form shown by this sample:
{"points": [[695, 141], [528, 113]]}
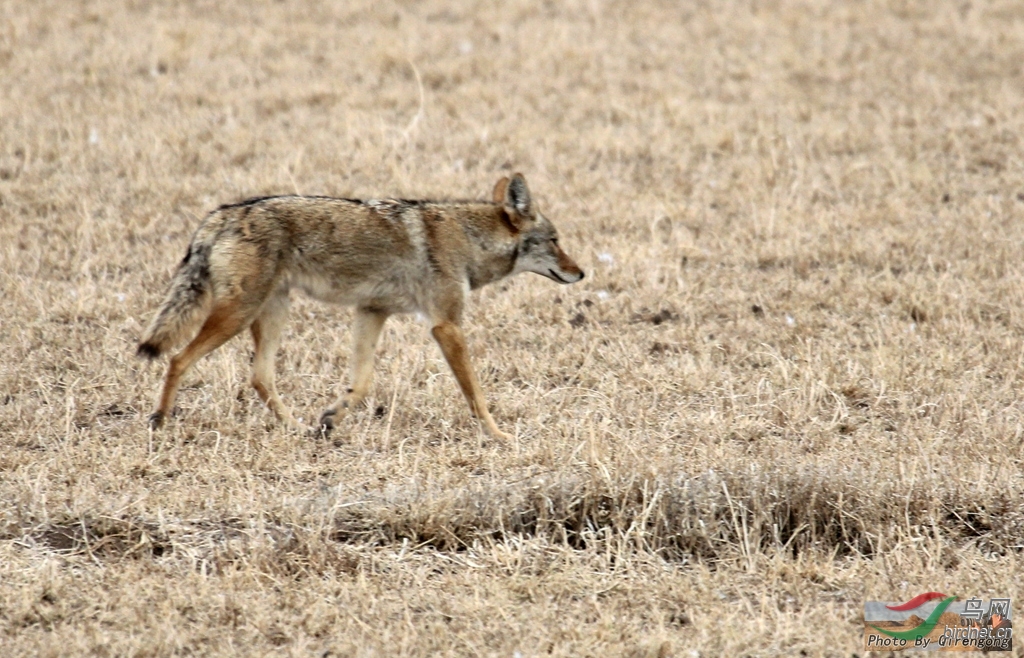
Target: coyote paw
{"points": [[156, 419], [327, 421], [500, 436]]}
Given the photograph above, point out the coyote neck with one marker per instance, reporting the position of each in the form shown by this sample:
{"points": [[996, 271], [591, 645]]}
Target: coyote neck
{"points": [[493, 249]]}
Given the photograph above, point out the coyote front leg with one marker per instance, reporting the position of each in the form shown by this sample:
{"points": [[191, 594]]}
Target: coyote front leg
{"points": [[365, 332], [449, 336]]}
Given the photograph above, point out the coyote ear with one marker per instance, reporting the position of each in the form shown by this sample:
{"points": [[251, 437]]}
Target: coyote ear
{"points": [[517, 195], [499, 190]]}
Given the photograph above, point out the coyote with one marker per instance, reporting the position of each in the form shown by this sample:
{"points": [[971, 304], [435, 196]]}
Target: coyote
{"points": [[381, 256]]}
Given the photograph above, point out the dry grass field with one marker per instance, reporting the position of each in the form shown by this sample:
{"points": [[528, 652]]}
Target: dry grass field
{"points": [[790, 382]]}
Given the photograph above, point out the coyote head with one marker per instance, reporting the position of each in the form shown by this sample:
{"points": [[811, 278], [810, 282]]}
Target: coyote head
{"points": [[538, 249]]}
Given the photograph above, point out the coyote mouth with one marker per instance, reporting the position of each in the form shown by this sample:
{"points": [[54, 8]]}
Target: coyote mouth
{"points": [[556, 277]]}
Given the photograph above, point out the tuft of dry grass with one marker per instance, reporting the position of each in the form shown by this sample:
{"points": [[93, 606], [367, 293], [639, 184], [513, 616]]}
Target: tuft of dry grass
{"points": [[790, 382]]}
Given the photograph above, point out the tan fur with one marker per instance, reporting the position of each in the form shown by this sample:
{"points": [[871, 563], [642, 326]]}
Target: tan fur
{"points": [[381, 256]]}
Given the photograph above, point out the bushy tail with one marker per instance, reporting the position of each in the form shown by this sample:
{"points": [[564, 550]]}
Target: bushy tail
{"points": [[187, 304]]}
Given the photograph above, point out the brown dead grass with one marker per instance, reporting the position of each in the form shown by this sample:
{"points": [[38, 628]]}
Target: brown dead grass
{"points": [[791, 381]]}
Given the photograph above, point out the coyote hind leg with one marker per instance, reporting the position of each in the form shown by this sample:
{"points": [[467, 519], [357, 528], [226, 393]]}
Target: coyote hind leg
{"points": [[365, 333], [224, 322], [266, 334]]}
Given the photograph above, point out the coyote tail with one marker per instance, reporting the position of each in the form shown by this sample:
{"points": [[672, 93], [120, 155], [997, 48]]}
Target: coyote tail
{"points": [[186, 304]]}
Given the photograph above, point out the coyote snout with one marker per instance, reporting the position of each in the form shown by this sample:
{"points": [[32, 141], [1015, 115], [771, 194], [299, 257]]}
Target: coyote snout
{"points": [[381, 256]]}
